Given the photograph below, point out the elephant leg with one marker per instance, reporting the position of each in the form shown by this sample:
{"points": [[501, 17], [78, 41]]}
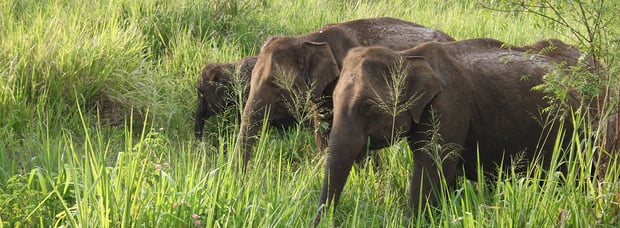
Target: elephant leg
{"points": [[320, 134], [427, 174], [248, 135], [426, 179]]}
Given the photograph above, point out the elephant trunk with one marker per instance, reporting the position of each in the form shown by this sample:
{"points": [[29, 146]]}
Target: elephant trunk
{"points": [[345, 144], [202, 114]]}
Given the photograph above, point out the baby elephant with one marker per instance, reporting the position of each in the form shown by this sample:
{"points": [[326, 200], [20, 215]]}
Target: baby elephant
{"points": [[479, 90], [216, 90]]}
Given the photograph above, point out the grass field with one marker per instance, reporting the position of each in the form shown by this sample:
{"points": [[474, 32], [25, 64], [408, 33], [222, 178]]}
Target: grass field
{"points": [[96, 116]]}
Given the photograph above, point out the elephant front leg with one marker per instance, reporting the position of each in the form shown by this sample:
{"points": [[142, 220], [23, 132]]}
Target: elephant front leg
{"points": [[426, 180], [321, 133], [437, 155], [248, 135]]}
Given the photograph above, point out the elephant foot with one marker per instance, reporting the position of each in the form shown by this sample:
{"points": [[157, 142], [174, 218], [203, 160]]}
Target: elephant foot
{"points": [[317, 218]]}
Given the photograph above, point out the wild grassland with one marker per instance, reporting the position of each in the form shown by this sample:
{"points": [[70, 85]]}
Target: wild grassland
{"points": [[96, 111]]}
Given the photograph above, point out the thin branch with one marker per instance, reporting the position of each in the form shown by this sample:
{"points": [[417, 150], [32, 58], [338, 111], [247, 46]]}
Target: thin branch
{"points": [[585, 22]]}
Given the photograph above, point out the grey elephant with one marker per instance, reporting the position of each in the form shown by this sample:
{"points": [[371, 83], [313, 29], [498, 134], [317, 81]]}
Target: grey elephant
{"points": [[479, 91], [216, 90], [306, 67]]}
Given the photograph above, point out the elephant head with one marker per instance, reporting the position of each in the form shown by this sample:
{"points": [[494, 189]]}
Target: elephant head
{"points": [[290, 75], [216, 89], [378, 88]]}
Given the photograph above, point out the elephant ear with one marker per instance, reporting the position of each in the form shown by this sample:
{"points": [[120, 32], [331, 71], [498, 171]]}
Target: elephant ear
{"points": [[423, 84], [322, 66]]}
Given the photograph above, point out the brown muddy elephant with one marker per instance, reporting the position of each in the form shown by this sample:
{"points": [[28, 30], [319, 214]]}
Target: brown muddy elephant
{"points": [[479, 91], [307, 66], [216, 89]]}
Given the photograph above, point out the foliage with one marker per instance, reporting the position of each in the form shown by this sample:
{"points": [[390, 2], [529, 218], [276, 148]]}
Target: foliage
{"points": [[19, 203]]}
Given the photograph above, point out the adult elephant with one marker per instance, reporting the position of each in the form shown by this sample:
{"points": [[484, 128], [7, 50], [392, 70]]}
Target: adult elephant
{"points": [[479, 91], [216, 89], [294, 69]]}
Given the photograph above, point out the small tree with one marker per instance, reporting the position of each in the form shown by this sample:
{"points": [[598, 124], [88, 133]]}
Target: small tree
{"points": [[595, 26]]}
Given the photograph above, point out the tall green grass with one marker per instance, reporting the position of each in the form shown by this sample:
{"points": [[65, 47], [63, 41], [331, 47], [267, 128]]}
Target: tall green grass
{"points": [[153, 182], [97, 96]]}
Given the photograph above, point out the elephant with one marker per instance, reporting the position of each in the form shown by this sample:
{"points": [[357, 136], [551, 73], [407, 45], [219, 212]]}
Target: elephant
{"points": [[216, 89], [307, 66], [479, 91]]}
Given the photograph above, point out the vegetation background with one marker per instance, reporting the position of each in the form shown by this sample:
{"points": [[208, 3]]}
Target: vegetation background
{"points": [[97, 101]]}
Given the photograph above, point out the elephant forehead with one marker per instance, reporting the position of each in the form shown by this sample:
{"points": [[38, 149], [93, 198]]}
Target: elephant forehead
{"points": [[367, 65], [347, 84], [281, 45], [279, 60], [349, 78], [352, 88], [351, 75]]}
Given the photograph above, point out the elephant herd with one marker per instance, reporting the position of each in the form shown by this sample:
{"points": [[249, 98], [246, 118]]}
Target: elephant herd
{"points": [[384, 79]]}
